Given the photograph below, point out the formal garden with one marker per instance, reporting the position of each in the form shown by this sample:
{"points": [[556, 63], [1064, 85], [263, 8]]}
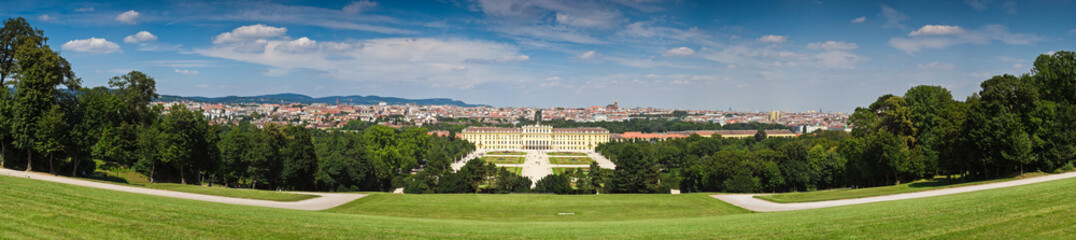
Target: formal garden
{"points": [[563, 170], [506, 153], [570, 160], [566, 154], [503, 160]]}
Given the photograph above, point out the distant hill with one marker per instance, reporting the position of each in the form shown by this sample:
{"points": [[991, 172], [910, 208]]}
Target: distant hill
{"points": [[299, 98]]}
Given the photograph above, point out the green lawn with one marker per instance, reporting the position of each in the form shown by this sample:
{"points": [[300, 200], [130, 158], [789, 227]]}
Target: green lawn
{"points": [[846, 193], [506, 153], [571, 160], [561, 170], [35, 209], [132, 178], [566, 154], [503, 160], [539, 207]]}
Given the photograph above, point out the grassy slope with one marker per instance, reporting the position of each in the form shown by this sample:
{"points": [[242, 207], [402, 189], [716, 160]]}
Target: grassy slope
{"points": [[539, 207], [36, 209], [845, 193], [131, 178]]}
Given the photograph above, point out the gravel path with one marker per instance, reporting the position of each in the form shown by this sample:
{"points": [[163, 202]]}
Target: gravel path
{"points": [[325, 201], [749, 202]]}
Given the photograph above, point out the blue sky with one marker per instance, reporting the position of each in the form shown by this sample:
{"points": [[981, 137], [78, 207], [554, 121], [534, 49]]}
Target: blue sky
{"points": [[748, 55]]}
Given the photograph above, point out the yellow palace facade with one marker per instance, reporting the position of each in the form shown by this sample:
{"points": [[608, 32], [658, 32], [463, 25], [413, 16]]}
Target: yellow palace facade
{"points": [[535, 137]]}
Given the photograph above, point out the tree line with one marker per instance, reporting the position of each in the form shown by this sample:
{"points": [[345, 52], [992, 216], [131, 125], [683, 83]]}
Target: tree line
{"points": [[1012, 125]]}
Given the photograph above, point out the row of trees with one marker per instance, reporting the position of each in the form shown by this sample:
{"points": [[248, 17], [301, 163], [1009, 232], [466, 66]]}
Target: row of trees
{"points": [[1013, 125]]}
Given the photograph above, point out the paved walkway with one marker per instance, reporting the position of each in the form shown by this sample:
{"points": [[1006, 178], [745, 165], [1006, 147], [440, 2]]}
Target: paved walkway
{"points": [[325, 201], [749, 202]]}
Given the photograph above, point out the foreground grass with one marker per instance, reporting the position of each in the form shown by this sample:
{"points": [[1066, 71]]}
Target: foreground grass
{"points": [[846, 193], [34, 209], [539, 207], [135, 179]]}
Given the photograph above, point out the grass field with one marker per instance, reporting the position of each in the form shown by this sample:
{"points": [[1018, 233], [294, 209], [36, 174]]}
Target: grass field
{"points": [[132, 178], [561, 170], [566, 154], [506, 153], [539, 207], [570, 160], [35, 209], [503, 160], [846, 193]]}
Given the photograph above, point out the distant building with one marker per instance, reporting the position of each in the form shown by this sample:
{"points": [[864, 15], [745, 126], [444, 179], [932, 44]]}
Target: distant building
{"points": [[614, 106], [535, 137], [775, 116]]}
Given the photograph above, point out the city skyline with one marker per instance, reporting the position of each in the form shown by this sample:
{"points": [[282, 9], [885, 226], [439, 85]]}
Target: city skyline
{"points": [[784, 55]]}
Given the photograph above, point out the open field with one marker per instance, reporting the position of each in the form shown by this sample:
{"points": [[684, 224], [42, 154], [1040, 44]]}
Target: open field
{"points": [[506, 153], [503, 160], [131, 178], [570, 160], [538, 207], [846, 193], [562, 170], [38, 209], [566, 154]]}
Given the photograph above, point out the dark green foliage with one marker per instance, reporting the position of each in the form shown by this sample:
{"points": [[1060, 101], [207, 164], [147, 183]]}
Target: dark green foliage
{"points": [[553, 183]]}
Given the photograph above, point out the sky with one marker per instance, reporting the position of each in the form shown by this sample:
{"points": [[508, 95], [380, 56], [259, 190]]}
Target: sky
{"points": [[715, 55]]}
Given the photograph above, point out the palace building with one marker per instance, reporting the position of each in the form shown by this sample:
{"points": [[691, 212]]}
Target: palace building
{"points": [[535, 137]]}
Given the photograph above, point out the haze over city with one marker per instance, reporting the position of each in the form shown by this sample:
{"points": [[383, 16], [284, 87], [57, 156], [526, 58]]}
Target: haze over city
{"points": [[757, 55]]}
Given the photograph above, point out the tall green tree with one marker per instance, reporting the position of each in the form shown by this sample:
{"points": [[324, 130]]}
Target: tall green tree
{"points": [[40, 71], [7, 104], [636, 172], [16, 32], [136, 91], [300, 159], [51, 135]]}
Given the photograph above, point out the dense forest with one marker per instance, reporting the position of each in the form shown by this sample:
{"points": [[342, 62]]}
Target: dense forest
{"points": [[1014, 124]]}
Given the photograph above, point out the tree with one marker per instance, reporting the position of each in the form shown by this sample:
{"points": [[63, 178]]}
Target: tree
{"points": [[40, 70], [1055, 76], [182, 139], [16, 32], [300, 160], [554, 183], [136, 91], [6, 119], [636, 172], [594, 177], [51, 135], [760, 135]]}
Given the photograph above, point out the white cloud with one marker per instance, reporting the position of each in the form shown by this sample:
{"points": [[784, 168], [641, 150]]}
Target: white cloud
{"points": [[893, 18], [984, 35], [84, 9], [91, 45], [45, 18], [594, 19], [442, 62], [140, 37], [128, 17], [301, 45], [860, 19], [1017, 66], [251, 38], [680, 51], [773, 38], [832, 45], [935, 65], [186, 71], [837, 60], [937, 30], [589, 54], [359, 6]]}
